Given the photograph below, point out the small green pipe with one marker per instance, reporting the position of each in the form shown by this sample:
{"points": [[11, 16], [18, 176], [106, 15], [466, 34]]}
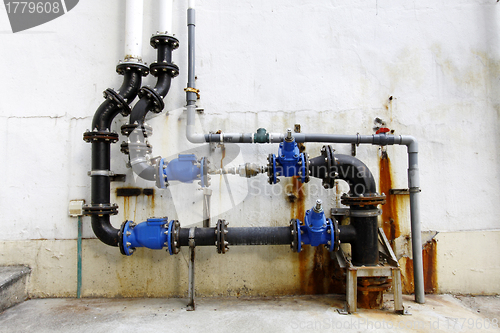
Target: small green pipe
{"points": [[79, 262]]}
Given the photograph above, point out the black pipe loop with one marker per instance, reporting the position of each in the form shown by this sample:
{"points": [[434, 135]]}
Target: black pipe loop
{"points": [[152, 95], [100, 136], [164, 67], [126, 66], [109, 109], [120, 102], [162, 39]]}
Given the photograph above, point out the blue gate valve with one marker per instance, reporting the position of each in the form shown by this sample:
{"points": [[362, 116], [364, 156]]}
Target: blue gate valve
{"points": [[185, 169], [154, 234], [316, 230], [289, 162]]}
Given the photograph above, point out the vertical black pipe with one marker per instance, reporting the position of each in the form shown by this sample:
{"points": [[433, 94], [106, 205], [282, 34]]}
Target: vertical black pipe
{"points": [[364, 249], [101, 138]]}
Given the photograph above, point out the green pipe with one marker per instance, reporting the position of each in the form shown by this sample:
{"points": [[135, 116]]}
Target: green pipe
{"points": [[79, 260]]}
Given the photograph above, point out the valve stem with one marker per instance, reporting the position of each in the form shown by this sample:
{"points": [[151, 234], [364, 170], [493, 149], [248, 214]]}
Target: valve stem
{"points": [[319, 206]]}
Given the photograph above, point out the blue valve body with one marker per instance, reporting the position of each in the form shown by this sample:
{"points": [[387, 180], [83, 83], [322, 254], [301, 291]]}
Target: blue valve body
{"points": [[151, 234], [316, 230], [184, 169], [288, 158], [289, 162]]}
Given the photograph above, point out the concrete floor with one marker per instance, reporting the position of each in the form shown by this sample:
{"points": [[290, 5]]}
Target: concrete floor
{"points": [[441, 313]]}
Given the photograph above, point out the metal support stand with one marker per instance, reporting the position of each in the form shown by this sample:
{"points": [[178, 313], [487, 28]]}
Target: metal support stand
{"points": [[207, 194], [191, 305], [388, 267]]}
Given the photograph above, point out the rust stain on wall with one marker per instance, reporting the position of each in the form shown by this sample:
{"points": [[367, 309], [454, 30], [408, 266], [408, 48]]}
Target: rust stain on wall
{"points": [[126, 207], [151, 203], [429, 256], [318, 273], [389, 218]]}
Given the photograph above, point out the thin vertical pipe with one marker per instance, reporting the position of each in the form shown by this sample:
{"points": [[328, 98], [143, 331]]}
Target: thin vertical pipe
{"points": [[79, 260]]}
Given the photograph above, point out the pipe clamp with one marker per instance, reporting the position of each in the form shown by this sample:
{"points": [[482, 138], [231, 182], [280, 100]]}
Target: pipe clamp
{"points": [[191, 238], [101, 173], [364, 213]]}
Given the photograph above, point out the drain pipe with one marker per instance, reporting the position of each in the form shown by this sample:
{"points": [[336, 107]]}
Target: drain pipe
{"points": [[133, 30], [101, 136], [165, 18], [362, 199], [151, 99]]}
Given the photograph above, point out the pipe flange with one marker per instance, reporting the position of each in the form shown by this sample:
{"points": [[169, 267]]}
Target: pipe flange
{"points": [[296, 244], [204, 178], [162, 39], [334, 233], [161, 178], [165, 67], [128, 129], [331, 174], [140, 147], [125, 148], [173, 244], [153, 96], [123, 243], [369, 200], [271, 169], [126, 66], [100, 209], [120, 102], [220, 232], [305, 168], [364, 213], [100, 136]]}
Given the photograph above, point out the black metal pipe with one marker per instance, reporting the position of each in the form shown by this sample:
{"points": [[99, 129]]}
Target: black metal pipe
{"points": [[363, 231], [239, 236], [365, 248], [259, 236], [101, 138], [140, 110], [347, 233], [110, 108], [357, 175], [164, 70], [202, 236]]}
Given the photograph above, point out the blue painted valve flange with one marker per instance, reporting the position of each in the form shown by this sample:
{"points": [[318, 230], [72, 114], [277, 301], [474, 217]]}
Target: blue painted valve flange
{"points": [[155, 234], [289, 162], [315, 231], [185, 169]]}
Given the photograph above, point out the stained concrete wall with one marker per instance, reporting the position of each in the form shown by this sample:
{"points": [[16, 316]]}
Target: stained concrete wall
{"points": [[331, 67]]}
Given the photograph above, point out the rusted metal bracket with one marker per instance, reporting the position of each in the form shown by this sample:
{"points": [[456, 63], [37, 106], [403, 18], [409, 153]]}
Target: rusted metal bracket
{"points": [[388, 267], [191, 305]]}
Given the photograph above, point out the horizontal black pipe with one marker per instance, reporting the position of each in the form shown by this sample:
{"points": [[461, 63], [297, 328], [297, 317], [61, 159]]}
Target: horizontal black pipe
{"points": [[347, 233], [259, 236], [202, 236], [239, 236]]}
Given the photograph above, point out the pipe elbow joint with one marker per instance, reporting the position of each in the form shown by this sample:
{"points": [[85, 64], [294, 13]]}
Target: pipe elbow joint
{"points": [[410, 142]]}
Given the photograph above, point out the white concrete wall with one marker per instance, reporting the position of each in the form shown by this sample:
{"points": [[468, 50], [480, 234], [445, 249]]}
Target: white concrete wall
{"points": [[329, 65]]}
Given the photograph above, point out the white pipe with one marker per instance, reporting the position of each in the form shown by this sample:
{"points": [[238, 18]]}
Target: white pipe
{"points": [[191, 4], [165, 20], [191, 134], [133, 30]]}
